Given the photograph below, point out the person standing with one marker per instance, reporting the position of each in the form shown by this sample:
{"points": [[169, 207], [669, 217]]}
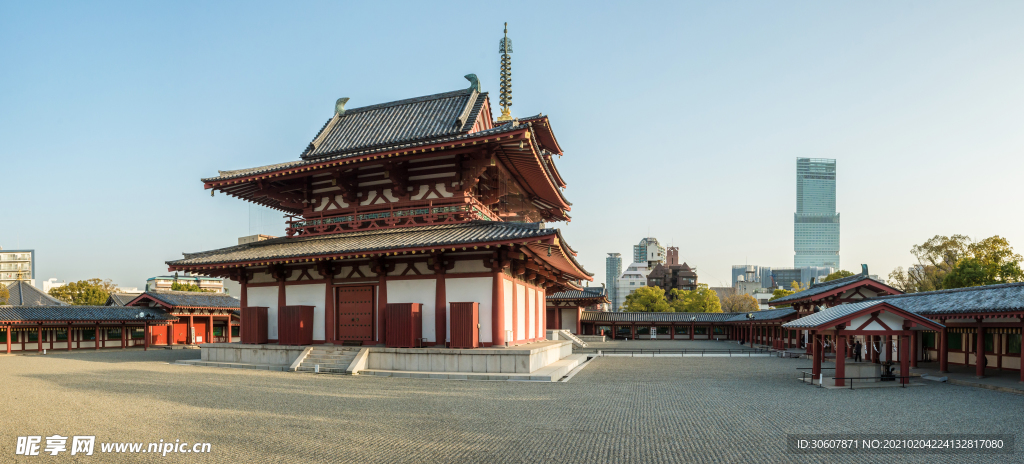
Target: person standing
{"points": [[857, 347]]}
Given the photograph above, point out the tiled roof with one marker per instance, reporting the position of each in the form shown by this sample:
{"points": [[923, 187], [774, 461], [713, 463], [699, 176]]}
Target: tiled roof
{"points": [[403, 121], [23, 294], [121, 299], [586, 292], [195, 299], [989, 298], [81, 313], [823, 287], [831, 314], [767, 315], [373, 241], [225, 175]]}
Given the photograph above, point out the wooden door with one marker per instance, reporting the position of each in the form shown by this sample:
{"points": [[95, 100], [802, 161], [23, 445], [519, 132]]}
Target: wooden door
{"points": [[355, 313], [180, 331]]}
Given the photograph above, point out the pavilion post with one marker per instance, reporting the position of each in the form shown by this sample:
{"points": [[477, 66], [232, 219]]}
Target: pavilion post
{"points": [[68, 338], [816, 365], [944, 352], [440, 305], [979, 357], [498, 309], [808, 342], [691, 330], [905, 358], [9, 343], [209, 331], [96, 338], [39, 338], [145, 337], [124, 342], [632, 331], [840, 359], [191, 339]]}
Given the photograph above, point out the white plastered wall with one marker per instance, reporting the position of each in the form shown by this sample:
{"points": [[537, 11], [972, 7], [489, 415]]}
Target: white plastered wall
{"points": [[417, 291], [309, 295], [265, 296], [520, 312], [472, 289], [569, 319]]}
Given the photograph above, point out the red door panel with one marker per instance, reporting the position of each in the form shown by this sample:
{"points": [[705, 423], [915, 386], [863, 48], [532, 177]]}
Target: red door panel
{"points": [[355, 313]]}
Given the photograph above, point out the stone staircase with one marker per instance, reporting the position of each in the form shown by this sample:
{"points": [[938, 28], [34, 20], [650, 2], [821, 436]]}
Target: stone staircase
{"points": [[332, 360], [576, 341]]}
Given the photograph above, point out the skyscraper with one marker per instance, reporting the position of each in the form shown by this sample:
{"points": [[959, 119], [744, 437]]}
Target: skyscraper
{"points": [[816, 223], [649, 251], [612, 270]]}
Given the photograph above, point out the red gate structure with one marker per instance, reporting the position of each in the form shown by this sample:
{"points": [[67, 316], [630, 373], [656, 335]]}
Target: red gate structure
{"points": [[404, 325], [295, 325], [355, 313], [254, 324], [465, 325]]}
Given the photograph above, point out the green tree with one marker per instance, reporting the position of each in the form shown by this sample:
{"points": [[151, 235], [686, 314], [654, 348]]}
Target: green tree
{"points": [[187, 287], [742, 303], [92, 292], [958, 261], [701, 300], [647, 299], [837, 275], [4, 294], [779, 293], [797, 287]]}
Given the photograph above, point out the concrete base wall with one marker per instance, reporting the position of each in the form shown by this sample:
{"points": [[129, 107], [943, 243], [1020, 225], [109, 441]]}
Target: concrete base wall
{"points": [[521, 359], [250, 354]]}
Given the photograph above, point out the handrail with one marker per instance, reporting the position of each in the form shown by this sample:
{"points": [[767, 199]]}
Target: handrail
{"points": [[903, 383]]}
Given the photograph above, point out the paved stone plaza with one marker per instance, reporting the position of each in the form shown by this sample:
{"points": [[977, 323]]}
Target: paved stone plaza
{"points": [[614, 410]]}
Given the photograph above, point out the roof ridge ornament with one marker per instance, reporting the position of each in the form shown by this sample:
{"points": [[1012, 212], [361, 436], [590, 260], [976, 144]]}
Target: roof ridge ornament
{"points": [[339, 106], [505, 47], [474, 82]]}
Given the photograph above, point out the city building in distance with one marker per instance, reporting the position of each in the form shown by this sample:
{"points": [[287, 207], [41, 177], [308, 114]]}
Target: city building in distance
{"points": [[677, 276], [649, 251], [164, 283], [17, 265], [816, 223], [612, 271]]}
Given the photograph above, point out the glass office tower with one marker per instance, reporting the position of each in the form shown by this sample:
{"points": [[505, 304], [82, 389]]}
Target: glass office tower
{"points": [[816, 223]]}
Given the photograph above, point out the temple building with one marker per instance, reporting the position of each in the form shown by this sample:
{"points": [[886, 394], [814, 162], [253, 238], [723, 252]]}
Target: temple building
{"points": [[416, 205]]}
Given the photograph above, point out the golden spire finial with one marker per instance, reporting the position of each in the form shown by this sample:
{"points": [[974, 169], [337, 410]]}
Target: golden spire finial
{"points": [[506, 77]]}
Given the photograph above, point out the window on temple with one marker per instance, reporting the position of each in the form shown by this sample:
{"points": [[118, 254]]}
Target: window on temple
{"points": [[88, 334], [990, 343], [234, 331], [662, 330], [700, 330], [61, 336], [643, 330], [682, 330], [1013, 344], [719, 330], [954, 341], [33, 336], [113, 334], [138, 333], [218, 331]]}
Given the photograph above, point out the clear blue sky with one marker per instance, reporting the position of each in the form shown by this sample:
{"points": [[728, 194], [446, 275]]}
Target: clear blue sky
{"points": [[682, 118]]}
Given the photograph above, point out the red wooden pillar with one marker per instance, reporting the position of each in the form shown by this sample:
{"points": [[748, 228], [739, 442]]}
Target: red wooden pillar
{"points": [[123, 340], [944, 352], [69, 337], [579, 319], [330, 326], [808, 346], [9, 342], [816, 356], [39, 338], [498, 310], [145, 337], [913, 348], [904, 357], [440, 307], [672, 332], [979, 357], [840, 359], [691, 330], [1021, 358], [632, 331], [190, 339], [515, 311]]}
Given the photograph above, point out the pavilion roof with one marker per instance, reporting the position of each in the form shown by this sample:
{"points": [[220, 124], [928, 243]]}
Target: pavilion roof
{"points": [[983, 299], [392, 240], [23, 294], [823, 288], [81, 313], [186, 300], [121, 299], [584, 293], [766, 315], [399, 122], [837, 314]]}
